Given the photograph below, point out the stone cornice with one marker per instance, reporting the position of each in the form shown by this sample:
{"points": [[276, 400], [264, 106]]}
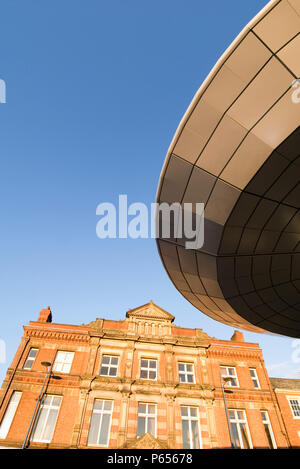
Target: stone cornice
{"points": [[183, 341], [286, 391], [240, 393], [56, 334], [131, 387], [36, 378], [234, 352]]}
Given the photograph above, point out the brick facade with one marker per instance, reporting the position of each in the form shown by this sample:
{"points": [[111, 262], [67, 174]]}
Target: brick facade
{"points": [[147, 334]]}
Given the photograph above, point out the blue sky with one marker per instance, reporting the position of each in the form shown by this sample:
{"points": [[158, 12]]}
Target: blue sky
{"points": [[95, 92]]}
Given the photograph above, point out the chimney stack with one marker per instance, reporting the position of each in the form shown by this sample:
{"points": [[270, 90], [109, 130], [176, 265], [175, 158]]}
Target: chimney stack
{"points": [[237, 337], [45, 315]]}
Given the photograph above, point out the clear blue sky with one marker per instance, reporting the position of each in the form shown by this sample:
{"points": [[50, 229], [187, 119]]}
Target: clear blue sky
{"points": [[95, 92]]}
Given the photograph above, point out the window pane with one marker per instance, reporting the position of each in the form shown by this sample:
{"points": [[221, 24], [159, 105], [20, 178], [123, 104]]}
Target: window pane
{"points": [[184, 411], [144, 374], [182, 378], [185, 434], [94, 429], [107, 405], [105, 360], [9, 414], [28, 364], [103, 440], [57, 367], [263, 415], [153, 364], [142, 409], [114, 360], [268, 434], [152, 374], [141, 426], [151, 426], [195, 434], [15, 398], [98, 404], [244, 436], [193, 412], [104, 371], [56, 401], [50, 425], [46, 400], [69, 358], [40, 423], [144, 363], [190, 378], [113, 372], [66, 368], [32, 353], [235, 435], [151, 409], [181, 367]]}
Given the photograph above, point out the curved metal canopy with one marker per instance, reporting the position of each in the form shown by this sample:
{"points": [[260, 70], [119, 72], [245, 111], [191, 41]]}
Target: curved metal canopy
{"points": [[237, 150]]}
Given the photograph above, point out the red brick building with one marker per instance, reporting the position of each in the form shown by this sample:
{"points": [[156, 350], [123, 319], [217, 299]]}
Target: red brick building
{"points": [[142, 383]]}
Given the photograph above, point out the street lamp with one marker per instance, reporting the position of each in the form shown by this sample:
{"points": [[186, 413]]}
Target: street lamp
{"points": [[32, 421], [224, 381]]}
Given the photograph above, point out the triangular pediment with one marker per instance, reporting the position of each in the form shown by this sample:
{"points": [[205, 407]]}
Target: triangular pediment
{"points": [[146, 441], [150, 311]]}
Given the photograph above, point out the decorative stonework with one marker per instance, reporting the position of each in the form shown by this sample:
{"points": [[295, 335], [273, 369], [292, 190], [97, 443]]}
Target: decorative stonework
{"points": [[150, 311], [56, 335], [97, 325], [234, 352], [146, 441]]}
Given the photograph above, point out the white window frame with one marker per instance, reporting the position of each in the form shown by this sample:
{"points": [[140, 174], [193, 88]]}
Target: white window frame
{"points": [[61, 365], [30, 359], [147, 415], [254, 378], [186, 373], [227, 375], [237, 420], [294, 398], [191, 418], [102, 412], [148, 369], [9, 413], [110, 365], [47, 408], [266, 421]]}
